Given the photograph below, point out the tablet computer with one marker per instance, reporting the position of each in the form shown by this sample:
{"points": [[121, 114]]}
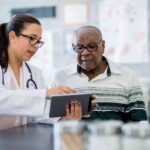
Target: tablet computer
{"points": [[58, 104]]}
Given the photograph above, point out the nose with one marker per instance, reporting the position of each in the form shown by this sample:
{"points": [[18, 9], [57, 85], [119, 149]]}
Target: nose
{"points": [[34, 48], [37, 45], [86, 51]]}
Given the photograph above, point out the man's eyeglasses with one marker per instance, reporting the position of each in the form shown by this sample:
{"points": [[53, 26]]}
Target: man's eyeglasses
{"points": [[80, 48], [32, 40]]}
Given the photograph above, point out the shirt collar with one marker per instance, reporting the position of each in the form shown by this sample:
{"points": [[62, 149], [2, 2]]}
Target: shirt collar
{"points": [[112, 68]]}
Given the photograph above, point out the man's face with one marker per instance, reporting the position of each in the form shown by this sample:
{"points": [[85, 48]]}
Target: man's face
{"points": [[92, 48]]}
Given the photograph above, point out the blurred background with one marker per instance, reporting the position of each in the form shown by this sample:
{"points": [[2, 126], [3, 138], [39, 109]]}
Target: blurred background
{"points": [[125, 25]]}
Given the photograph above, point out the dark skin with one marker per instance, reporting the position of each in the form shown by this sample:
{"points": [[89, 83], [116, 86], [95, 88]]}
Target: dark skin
{"points": [[90, 62]]}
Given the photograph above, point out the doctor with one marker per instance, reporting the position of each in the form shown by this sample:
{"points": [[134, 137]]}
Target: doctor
{"points": [[22, 90]]}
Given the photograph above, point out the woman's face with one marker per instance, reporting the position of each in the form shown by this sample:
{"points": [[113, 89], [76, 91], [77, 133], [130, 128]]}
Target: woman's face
{"points": [[26, 43]]}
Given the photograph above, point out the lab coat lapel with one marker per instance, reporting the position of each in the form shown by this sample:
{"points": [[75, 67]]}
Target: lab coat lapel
{"points": [[7, 78]]}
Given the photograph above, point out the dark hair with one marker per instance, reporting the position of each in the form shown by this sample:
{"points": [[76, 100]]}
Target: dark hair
{"points": [[16, 24]]}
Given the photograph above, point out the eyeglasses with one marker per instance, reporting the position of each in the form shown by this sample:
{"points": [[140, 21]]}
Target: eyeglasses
{"points": [[32, 40], [80, 48]]}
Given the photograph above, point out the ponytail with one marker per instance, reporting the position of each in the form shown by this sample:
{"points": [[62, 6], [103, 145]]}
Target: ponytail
{"points": [[3, 46]]}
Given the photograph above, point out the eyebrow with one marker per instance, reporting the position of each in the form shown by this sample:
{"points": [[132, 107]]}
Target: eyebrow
{"points": [[34, 35], [87, 44]]}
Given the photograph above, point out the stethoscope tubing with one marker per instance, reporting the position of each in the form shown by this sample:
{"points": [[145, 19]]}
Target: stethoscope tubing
{"points": [[28, 81]]}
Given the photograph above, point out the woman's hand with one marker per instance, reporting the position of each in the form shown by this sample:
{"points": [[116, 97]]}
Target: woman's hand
{"points": [[73, 111], [58, 90]]}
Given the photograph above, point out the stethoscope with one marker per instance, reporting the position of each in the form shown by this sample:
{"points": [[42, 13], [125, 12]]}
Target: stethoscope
{"points": [[29, 81]]}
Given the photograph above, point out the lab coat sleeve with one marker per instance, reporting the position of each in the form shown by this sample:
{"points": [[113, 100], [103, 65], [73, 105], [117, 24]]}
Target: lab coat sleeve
{"points": [[22, 102], [46, 119]]}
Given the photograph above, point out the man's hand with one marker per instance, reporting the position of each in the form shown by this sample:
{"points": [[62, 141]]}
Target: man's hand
{"points": [[73, 111], [93, 104]]}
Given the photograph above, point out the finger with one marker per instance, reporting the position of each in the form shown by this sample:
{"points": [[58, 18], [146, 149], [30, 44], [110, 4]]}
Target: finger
{"points": [[67, 111], [86, 116], [72, 109], [79, 111], [76, 113], [93, 105], [93, 97], [67, 89]]}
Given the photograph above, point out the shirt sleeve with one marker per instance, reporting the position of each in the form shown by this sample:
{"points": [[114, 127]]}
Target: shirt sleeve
{"points": [[53, 81], [135, 109]]}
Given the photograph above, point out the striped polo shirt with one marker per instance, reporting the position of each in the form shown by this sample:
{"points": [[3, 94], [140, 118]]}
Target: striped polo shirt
{"points": [[118, 95]]}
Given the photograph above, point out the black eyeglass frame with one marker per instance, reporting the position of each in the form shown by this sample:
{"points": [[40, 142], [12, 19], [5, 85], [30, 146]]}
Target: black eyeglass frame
{"points": [[31, 38], [82, 47]]}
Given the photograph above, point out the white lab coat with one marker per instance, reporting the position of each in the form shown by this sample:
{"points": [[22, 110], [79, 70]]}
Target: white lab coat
{"points": [[24, 102]]}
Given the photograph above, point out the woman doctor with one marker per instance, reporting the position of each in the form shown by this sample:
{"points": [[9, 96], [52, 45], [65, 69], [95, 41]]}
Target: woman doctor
{"points": [[22, 90]]}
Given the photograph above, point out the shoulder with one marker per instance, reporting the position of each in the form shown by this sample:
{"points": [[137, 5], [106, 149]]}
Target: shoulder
{"points": [[123, 74], [67, 70], [64, 73], [36, 73], [122, 69], [32, 67]]}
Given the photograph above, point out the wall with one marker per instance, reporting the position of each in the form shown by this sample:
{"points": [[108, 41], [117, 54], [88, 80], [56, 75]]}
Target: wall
{"points": [[57, 35]]}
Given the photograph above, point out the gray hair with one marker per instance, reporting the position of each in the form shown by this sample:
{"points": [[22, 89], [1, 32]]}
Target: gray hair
{"points": [[87, 27]]}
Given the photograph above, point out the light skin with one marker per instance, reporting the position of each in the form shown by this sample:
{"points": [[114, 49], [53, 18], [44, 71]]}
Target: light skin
{"points": [[20, 50], [91, 62]]}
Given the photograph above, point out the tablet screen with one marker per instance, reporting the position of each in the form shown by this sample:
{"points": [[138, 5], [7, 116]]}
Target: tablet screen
{"points": [[58, 104]]}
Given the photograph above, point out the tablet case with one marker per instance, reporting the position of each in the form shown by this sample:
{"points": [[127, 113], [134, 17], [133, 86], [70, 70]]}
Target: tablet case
{"points": [[58, 103]]}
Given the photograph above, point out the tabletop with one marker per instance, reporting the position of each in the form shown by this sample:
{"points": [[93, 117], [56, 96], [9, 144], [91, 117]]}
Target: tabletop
{"points": [[27, 137]]}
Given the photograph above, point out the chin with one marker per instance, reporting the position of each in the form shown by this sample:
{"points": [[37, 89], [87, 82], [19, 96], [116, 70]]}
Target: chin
{"points": [[88, 68], [27, 59]]}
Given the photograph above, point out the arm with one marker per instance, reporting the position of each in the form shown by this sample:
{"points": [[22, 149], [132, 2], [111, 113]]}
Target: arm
{"points": [[26, 102], [135, 109], [22, 102]]}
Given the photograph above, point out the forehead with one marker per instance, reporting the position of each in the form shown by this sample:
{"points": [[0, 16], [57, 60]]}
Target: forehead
{"points": [[32, 29], [85, 35]]}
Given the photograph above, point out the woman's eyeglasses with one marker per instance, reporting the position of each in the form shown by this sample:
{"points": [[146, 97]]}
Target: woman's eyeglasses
{"points": [[32, 40], [90, 47]]}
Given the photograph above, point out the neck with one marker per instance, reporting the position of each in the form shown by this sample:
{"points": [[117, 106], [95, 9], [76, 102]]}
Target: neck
{"points": [[14, 62]]}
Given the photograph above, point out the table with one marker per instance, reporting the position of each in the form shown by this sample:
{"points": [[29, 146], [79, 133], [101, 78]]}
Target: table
{"points": [[27, 137]]}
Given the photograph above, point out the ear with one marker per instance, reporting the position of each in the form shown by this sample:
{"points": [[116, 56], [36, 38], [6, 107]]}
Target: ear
{"points": [[12, 37], [103, 44]]}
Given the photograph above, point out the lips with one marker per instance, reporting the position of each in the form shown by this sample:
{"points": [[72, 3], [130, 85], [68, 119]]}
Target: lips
{"points": [[86, 60], [31, 53]]}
